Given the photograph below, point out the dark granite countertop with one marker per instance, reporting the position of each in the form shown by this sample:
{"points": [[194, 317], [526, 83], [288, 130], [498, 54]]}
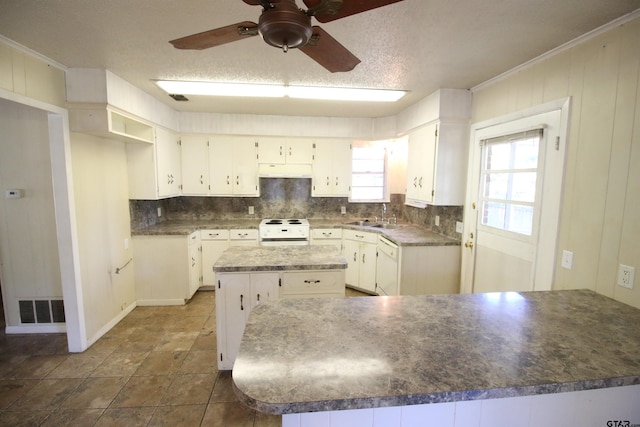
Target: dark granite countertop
{"points": [[279, 258], [403, 235], [316, 354]]}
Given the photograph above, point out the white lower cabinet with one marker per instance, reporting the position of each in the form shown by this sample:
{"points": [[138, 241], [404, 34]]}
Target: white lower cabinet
{"points": [[214, 243], [359, 249], [425, 270], [327, 236], [166, 268], [236, 295], [195, 262]]}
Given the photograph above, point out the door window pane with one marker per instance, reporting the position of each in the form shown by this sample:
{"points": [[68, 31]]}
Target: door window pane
{"points": [[509, 181]]}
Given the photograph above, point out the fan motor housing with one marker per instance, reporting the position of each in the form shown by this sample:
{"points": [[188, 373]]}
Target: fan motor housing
{"points": [[285, 26]]}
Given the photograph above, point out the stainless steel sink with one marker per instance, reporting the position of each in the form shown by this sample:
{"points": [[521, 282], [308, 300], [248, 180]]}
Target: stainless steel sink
{"points": [[385, 225], [373, 224]]}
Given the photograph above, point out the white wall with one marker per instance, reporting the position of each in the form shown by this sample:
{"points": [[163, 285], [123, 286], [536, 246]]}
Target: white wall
{"points": [[601, 204], [103, 224], [29, 262]]}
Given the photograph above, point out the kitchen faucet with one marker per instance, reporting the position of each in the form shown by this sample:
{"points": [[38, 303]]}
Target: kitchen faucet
{"points": [[384, 211]]}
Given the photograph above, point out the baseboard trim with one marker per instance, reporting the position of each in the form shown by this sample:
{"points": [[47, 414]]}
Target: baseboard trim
{"points": [[39, 328], [113, 322], [158, 302]]}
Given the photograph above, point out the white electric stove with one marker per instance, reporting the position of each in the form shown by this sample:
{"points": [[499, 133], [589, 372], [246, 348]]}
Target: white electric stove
{"points": [[276, 231]]}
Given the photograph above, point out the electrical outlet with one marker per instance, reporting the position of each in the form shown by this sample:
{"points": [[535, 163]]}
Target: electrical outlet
{"points": [[567, 259], [251, 210], [436, 221], [159, 212], [343, 210], [459, 227], [126, 243], [626, 276]]}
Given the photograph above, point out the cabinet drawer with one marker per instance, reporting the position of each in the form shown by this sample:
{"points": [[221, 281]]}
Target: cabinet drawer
{"points": [[244, 234], [326, 233], [214, 234], [311, 283], [360, 236]]}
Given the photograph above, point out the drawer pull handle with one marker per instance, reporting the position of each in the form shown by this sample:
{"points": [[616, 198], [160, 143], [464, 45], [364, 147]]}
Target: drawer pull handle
{"points": [[241, 304], [312, 281], [258, 298]]}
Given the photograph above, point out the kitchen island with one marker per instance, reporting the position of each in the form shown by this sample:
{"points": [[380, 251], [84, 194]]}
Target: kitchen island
{"points": [[249, 276], [539, 358]]}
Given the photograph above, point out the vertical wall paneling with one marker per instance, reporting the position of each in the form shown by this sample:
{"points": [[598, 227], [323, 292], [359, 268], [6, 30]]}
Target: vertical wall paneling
{"points": [[600, 189]]}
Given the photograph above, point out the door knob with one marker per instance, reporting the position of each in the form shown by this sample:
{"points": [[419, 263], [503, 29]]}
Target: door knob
{"points": [[468, 245]]}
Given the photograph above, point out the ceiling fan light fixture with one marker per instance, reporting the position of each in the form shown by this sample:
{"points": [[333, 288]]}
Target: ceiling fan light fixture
{"points": [[285, 26]]}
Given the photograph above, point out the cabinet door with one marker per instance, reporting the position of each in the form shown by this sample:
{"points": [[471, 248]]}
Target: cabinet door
{"points": [[232, 307], [342, 168], [271, 150], [195, 263], [299, 151], [245, 167], [367, 260], [322, 176], [264, 287], [351, 252], [168, 157], [214, 243], [221, 167], [195, 165]]}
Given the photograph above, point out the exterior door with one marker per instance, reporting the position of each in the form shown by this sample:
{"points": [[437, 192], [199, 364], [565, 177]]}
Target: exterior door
{"points": [[513, 199]]}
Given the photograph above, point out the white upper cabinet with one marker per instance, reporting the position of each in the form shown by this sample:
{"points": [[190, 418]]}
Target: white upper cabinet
{"points": [[195, 165], [233, 162], [168, 158], [331, 168], [282, 150], [154, 169], [436, 164]]}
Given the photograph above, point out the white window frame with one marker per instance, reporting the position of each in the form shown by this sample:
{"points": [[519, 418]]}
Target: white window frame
{"points": [[373, 144]]}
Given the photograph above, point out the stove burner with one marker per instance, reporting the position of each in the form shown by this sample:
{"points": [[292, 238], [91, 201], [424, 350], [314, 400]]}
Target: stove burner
{"points": [[294, 222], [274, 222]]}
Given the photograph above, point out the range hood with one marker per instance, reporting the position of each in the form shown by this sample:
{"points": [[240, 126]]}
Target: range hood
{"points": [[270, 170]]}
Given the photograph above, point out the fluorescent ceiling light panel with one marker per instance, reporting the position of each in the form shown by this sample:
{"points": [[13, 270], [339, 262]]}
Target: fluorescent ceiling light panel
{"points": [[221, 89], [344, 94], [278, 91]]}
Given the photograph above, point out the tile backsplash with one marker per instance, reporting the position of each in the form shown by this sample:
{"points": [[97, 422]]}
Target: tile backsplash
{"points": [[288, 198]]}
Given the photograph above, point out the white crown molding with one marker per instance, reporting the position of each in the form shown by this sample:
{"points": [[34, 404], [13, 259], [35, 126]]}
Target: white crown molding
{"points": [[32, 52], [568, 45]]}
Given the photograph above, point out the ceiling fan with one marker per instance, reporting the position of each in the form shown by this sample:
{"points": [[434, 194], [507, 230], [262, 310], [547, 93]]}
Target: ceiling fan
{"points": [[282, 24]]}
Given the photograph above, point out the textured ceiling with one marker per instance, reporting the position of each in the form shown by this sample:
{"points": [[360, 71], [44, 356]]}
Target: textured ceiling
{"points": [[415, 45]]}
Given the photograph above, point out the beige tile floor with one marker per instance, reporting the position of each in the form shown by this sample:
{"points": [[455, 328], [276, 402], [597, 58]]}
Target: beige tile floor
{"points": [[157, 367]]}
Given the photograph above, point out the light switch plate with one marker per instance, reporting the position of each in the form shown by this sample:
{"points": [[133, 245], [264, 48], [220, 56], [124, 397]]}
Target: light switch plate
{"points": [[567, 259], [459, 227]]}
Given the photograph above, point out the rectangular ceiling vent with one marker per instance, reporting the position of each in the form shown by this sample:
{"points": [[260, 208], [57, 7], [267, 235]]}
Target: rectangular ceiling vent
{"points": [[41, 311]]}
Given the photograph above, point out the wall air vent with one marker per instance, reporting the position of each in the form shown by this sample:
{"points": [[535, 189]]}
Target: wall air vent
{"points": [[41, 311]]}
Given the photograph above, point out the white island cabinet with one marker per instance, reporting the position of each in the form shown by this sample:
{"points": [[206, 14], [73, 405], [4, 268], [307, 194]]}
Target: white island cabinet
{"points": [[236, 295], [248, 276]]}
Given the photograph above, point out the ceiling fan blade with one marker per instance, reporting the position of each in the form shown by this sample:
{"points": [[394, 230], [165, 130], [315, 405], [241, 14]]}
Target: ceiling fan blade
{"points": [[328, 52], [217, 37], [330, 10]]}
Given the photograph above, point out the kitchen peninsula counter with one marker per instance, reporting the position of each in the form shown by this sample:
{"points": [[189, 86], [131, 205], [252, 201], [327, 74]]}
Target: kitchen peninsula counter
{"points": [[333, 354]]}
